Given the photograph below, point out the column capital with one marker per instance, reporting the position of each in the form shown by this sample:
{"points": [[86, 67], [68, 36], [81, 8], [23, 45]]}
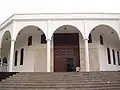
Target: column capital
{"points": [[85, 39], [12, 40], [48, 39]]}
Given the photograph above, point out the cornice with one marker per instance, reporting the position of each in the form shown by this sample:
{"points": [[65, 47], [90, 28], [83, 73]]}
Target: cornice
{"points": [[61, 16]]}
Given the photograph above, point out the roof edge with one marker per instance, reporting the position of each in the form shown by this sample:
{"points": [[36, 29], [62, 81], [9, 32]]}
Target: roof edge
{"points": [[12, 16]]}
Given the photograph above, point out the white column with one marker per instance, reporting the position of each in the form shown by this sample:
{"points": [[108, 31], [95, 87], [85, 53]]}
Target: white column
{"points": [[87, 55], [48, 55], [11, 60]]}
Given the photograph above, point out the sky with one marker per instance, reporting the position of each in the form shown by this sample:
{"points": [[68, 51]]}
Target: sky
{"points": [[10, 7]]}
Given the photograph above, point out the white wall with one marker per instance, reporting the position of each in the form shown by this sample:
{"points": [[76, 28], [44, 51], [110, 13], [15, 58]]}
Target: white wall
{"points": [[94, 57], [28, 61], [40, 59], [111, 41], [104, 66], [34, 55]]}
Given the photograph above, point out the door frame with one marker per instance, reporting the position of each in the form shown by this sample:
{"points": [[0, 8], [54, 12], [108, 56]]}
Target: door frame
{"points": [[68, 46]]}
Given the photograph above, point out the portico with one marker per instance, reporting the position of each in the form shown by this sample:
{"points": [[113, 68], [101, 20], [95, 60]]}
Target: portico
{"points": [[60, 42]]}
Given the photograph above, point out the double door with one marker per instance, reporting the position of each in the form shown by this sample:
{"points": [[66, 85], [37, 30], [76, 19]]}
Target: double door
{"points": [[66, 58], [66, 52]]}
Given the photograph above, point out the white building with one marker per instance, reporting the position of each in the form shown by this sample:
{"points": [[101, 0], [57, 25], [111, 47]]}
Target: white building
{"points": [[60, 42]]}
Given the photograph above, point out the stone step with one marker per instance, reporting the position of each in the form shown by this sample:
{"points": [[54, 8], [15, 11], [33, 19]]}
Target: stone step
{"points": [[66, 75], [40, 76], [83, 82], [34, 75], [90, 76], [48, 82], [102, 88], [58, 85], [62, 81], [63, 77]]}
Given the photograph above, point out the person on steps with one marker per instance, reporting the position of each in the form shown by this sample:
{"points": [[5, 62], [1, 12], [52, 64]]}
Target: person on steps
{"points": [[77, 69]]}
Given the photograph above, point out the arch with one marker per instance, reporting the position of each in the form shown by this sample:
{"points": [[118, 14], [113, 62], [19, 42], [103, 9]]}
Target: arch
{"points": [[37, 28], [76, 23], [68, 29], [3, 36], [66, 40], [104, 25], [5, 45]]}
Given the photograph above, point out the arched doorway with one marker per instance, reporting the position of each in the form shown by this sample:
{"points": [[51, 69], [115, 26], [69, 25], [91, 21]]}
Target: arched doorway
{"points": [[104, 48], [5, 51], [66, 48]]}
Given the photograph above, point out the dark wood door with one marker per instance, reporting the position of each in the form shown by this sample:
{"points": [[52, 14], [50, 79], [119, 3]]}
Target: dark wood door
{"points": [[66, 54], [60, 58]]}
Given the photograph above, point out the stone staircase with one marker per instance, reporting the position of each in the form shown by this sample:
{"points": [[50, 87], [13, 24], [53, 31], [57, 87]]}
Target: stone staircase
{"points": [[62, 81]]}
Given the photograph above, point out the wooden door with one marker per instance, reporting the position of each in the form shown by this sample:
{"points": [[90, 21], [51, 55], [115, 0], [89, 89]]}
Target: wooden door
{"points": [[66, 54], [60, 58]]}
